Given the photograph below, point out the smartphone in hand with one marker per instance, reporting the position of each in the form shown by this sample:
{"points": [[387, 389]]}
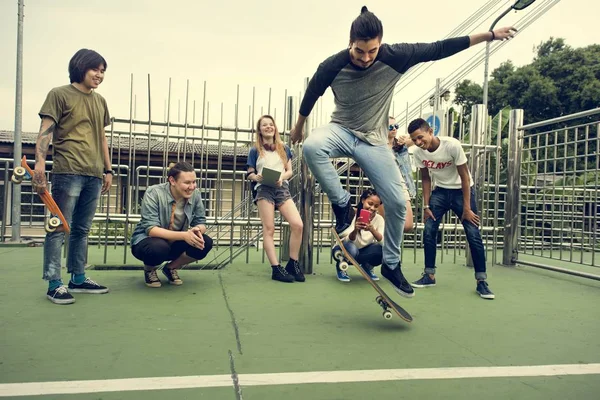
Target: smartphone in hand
{"points": [[364, 217]]}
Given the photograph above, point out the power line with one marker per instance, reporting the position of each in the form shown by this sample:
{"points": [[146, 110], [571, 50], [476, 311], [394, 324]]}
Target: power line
{"points": [[466, 68]]}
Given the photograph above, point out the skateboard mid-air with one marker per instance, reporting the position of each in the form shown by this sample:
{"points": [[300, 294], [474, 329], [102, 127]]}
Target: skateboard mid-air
{"points": [[382, 299]]}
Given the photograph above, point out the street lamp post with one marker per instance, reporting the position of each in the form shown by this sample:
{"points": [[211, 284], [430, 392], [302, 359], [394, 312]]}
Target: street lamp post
{"points": [[16, 194], [517, 6], [441, 95], [445, 95]]}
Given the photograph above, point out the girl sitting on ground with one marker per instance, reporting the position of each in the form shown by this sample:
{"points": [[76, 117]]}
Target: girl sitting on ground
{"points": [[363, 240]]}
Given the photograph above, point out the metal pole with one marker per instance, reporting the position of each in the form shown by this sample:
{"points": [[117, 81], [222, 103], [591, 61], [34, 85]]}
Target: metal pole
{"points": [[485, 74], [477, 162], [17, 154], [5, 202], [436, 104], [306, 207], [513, 189], [487, 59]]}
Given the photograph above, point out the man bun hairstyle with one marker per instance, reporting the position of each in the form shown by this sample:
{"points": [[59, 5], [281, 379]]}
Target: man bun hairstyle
{"points": [[366, 26], [416, 124], [178, 168]]}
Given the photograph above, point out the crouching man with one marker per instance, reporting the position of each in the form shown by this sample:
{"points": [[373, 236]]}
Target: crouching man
{"points": [[172, 226]]}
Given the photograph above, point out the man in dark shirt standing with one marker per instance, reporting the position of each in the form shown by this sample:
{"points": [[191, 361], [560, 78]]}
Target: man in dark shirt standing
{"points": [[362, 78], [73, 119]]}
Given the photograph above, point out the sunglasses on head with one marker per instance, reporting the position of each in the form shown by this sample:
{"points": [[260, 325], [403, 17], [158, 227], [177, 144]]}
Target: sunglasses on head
{"points": [[392, 127]]}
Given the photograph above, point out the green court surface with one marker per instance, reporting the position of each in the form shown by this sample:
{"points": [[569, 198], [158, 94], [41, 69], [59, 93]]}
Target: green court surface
{"points": [[239, 325]]}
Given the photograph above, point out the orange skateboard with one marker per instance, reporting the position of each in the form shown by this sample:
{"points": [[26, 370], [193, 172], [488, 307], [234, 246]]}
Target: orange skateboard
{"points": [[57, 221], [382, 299]]}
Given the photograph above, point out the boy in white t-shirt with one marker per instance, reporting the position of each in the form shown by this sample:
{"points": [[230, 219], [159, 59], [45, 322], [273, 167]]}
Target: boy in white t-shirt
{"points": [[444, 159]]}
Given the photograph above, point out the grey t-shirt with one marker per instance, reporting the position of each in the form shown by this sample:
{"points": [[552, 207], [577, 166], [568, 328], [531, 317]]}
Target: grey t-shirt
{"points": [[363, 96], [179, 218]]}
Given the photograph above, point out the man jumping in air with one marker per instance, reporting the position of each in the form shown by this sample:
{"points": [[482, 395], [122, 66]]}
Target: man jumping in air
{"points": [[362, 78]]}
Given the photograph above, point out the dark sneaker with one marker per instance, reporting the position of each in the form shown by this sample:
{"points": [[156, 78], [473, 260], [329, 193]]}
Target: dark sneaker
{"points": [[281, 275], [152, 278], [88, 286], [398, 281], [172, 275], [343, 217], [369, 270], [293, 268], [60, 295], [425, 281], [484, 291], [341, 275]]}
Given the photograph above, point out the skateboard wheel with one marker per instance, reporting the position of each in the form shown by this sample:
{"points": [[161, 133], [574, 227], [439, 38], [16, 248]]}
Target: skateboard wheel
{"points": [[338, 255], [343, 265], [16, 180], [54, 223], [49, 229], [387, 315], [379, 300], [19, 172]]}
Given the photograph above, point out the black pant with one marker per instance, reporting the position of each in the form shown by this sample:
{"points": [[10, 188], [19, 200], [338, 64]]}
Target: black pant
{"points": [[155, 251]]}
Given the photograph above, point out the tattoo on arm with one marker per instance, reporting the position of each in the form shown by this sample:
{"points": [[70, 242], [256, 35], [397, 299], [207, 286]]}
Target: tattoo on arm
{"points": [[43, 142]]}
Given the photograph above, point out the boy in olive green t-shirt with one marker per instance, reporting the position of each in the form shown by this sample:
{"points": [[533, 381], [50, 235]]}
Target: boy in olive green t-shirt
{"points": [[73, 118]]}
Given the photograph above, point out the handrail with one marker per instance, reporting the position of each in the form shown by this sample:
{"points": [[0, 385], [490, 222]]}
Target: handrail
{"points": [[581, 114]]}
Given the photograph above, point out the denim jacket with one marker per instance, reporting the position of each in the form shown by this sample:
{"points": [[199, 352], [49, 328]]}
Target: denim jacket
{"points": [[157, 206], [404, 163]]}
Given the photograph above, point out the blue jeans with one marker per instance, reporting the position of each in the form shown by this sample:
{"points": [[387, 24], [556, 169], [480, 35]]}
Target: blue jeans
{"points": [[76, 196], [371, 254], [377, 162], [441, 201], [405, 165]]}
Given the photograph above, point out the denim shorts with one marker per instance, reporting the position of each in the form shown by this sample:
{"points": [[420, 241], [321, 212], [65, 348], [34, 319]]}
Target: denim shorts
{"points": [[275, 196], [404, 187]]}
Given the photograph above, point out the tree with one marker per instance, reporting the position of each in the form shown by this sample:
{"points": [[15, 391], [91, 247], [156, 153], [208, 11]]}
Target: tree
{"points": [[467, 94], [549, 47], [559, 81]]}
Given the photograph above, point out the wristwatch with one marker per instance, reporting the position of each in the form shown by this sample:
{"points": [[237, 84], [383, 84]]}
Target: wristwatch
{"points": [[109, 171], [426, 206]]}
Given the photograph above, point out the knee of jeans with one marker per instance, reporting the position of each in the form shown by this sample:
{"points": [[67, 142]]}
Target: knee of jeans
{"points": [[79, 230], [472, 232], [430, 231], [352, 249], [55, 236], [81, 227], [208, 243], [155, 254], [155, 258], [195, 253], [396, 203], [378, 249], [311, 148]]}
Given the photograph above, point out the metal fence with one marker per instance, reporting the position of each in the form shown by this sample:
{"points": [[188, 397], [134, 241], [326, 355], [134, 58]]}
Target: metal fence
{"points": [[559, 185], [141, 150], [537, 189]]}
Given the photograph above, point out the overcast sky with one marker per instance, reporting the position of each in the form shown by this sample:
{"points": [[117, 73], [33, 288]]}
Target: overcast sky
{"points": [[261, 44]]}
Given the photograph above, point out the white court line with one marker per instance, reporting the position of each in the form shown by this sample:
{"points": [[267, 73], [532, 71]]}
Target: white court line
{"points": [[290, 378]]}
